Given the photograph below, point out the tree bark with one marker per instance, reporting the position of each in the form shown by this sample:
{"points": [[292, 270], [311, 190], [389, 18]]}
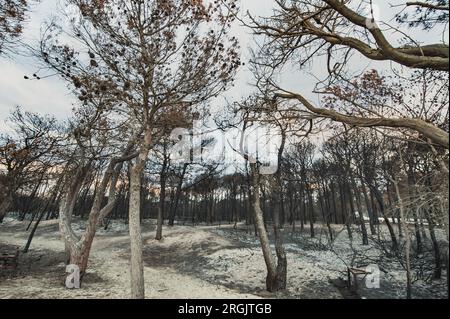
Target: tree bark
{"points": [[434, 133], [78, 249], [276, 274], [360, 212], [162, 197], [136, 259], [436, 249], [408, 243], [174, 209], [379, 199]]}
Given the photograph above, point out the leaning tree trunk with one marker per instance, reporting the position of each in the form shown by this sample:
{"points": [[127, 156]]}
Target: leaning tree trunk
{"points": [[78, 249], [276, 274], [379, 199], [36, 224], [67, 205], [53, 199]]}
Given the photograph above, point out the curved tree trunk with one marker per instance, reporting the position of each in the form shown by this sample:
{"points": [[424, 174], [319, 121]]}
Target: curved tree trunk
{"points": [[276, 273], [379, 199], [78, 249]]}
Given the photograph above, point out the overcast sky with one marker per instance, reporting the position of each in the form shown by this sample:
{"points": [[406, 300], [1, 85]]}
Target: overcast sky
{"points": [[51, 96]]}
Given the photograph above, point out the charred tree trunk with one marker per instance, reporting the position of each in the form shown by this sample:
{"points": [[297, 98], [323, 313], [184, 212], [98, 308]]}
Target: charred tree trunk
{"points": [[325, 216], [311, 212], [345, 213], [411, 189], [379, 199], [174, 209], [362, 222], [436, 249], [41, 215], [369, 209], [333, 195], [162, 197]]}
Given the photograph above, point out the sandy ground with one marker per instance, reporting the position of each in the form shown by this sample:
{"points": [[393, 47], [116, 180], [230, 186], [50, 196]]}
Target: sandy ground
{"points": [[190, 262], [41, 271]]}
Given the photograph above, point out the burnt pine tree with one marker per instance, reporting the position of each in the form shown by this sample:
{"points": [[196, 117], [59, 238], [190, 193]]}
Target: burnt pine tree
{"points": [[152, 56]]}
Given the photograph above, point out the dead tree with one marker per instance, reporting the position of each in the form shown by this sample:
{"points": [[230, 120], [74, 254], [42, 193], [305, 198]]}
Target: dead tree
{"points": [[151, 57], [309, 29]]}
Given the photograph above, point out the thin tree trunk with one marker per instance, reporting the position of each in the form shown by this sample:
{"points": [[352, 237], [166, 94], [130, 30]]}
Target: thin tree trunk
{"points": [[369, 209], [407, 245], [41, 215], [345, 214], [436, 249], [174, 208], [379, 199], [311, 212], [360, 213], [162, 200], [276, 274]]}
